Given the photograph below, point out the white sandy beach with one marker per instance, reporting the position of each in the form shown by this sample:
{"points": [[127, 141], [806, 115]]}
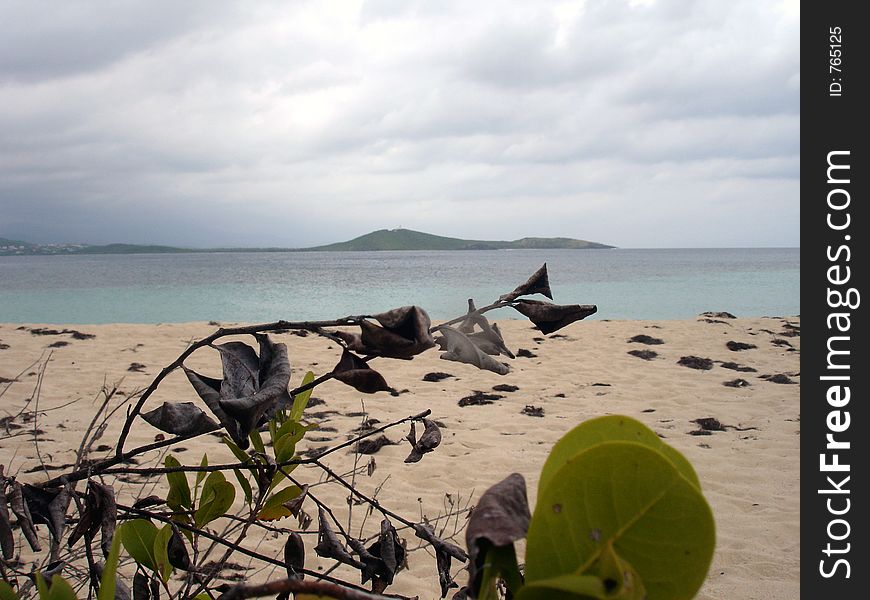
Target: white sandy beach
{"points": [[749, 473]]}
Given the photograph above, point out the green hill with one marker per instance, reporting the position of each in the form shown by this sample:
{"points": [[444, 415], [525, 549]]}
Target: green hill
{"points": [[407, 239]]}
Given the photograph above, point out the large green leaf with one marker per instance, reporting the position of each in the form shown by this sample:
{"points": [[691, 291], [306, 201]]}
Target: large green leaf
{"points": [[107, 581], [161, 552], [300, 400], [217, 497], [610, 429], [274, 507], [179, 490], [628, 499], [138, 536]]}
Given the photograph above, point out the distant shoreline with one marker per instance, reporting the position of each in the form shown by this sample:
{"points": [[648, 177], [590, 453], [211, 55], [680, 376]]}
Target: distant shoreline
{"points": [[381, 240]]}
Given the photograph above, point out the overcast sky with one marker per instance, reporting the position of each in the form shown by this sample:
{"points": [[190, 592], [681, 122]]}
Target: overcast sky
{"points": [[645, 123]]}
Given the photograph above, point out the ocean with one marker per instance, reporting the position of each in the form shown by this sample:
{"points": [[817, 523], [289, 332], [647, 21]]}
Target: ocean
{"points": [[262, 287]]}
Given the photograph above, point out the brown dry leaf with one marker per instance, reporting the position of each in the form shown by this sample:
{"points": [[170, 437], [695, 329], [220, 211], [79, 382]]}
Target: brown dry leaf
{"points": [[550, 317], [538, 283], [500, 518], [355, 372], [430, 440], [294, 556]]}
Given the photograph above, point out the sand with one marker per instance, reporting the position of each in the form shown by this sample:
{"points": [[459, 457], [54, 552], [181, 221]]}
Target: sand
{"points": [[749, 472]]}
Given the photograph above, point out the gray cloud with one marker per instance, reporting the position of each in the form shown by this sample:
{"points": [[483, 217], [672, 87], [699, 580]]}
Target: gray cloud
{"points": [[643, 123]]}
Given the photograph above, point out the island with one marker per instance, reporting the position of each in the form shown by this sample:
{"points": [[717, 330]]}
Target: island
{"points": [[381, 240]]}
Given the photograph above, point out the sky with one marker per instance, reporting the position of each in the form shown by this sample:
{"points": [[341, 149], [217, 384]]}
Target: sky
{"points": [[641, 123]]}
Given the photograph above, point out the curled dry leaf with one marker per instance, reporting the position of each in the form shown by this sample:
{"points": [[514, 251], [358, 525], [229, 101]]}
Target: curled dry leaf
{"points": [[328, 545], [100, 513], [355, 372], [405, 332], [390, 550], [442, 562], [48, 507], [500, 518], [177, 551], [252, 387], [294, 556], [538, 283], [21, 510], [402, 333], [246, 402], [141, 586], [180, 418], [427, 443], [294, 505], [550, 317], [371, 563], [462, 349]]}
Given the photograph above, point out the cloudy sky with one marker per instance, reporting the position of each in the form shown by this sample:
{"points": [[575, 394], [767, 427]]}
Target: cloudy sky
{"points": [[639, 123]]}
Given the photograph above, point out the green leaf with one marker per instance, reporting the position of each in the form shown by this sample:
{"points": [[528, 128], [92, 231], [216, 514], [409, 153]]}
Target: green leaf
{"points": [[107, 581], [300, 400], [138, 536], [202, 474], [610, 429], [274, 507], [179, 490], [285, 447], [42, 587], [61, 589], [246, 486], [218, 495], [237, 452], [6, 592], [628, 499], [257, 441], [161, 553]]}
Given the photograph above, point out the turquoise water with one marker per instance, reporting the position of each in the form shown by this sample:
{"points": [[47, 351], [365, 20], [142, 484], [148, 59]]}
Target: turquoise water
{"points": [[260, 287]]}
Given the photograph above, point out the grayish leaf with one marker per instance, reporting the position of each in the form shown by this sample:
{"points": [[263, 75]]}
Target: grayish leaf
{"points": [[462, 349], [180, 418]]}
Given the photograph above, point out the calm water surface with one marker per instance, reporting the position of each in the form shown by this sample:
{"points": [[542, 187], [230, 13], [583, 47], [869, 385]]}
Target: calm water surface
{"points": [[258, 287]]}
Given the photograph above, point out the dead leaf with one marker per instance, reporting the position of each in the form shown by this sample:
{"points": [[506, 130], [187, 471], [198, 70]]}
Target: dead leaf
{"points": [[294, 556], [328, 545], [550, 317], [430, 440], [462, 349], [355, 372], [500, 518], [180, 418], [538, 283]]}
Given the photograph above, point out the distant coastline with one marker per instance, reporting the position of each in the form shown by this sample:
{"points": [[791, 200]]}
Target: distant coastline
{"points": [[381, 240]]}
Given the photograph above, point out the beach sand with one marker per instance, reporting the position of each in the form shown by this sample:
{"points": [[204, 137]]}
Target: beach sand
{"points": [[749, 472]]}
